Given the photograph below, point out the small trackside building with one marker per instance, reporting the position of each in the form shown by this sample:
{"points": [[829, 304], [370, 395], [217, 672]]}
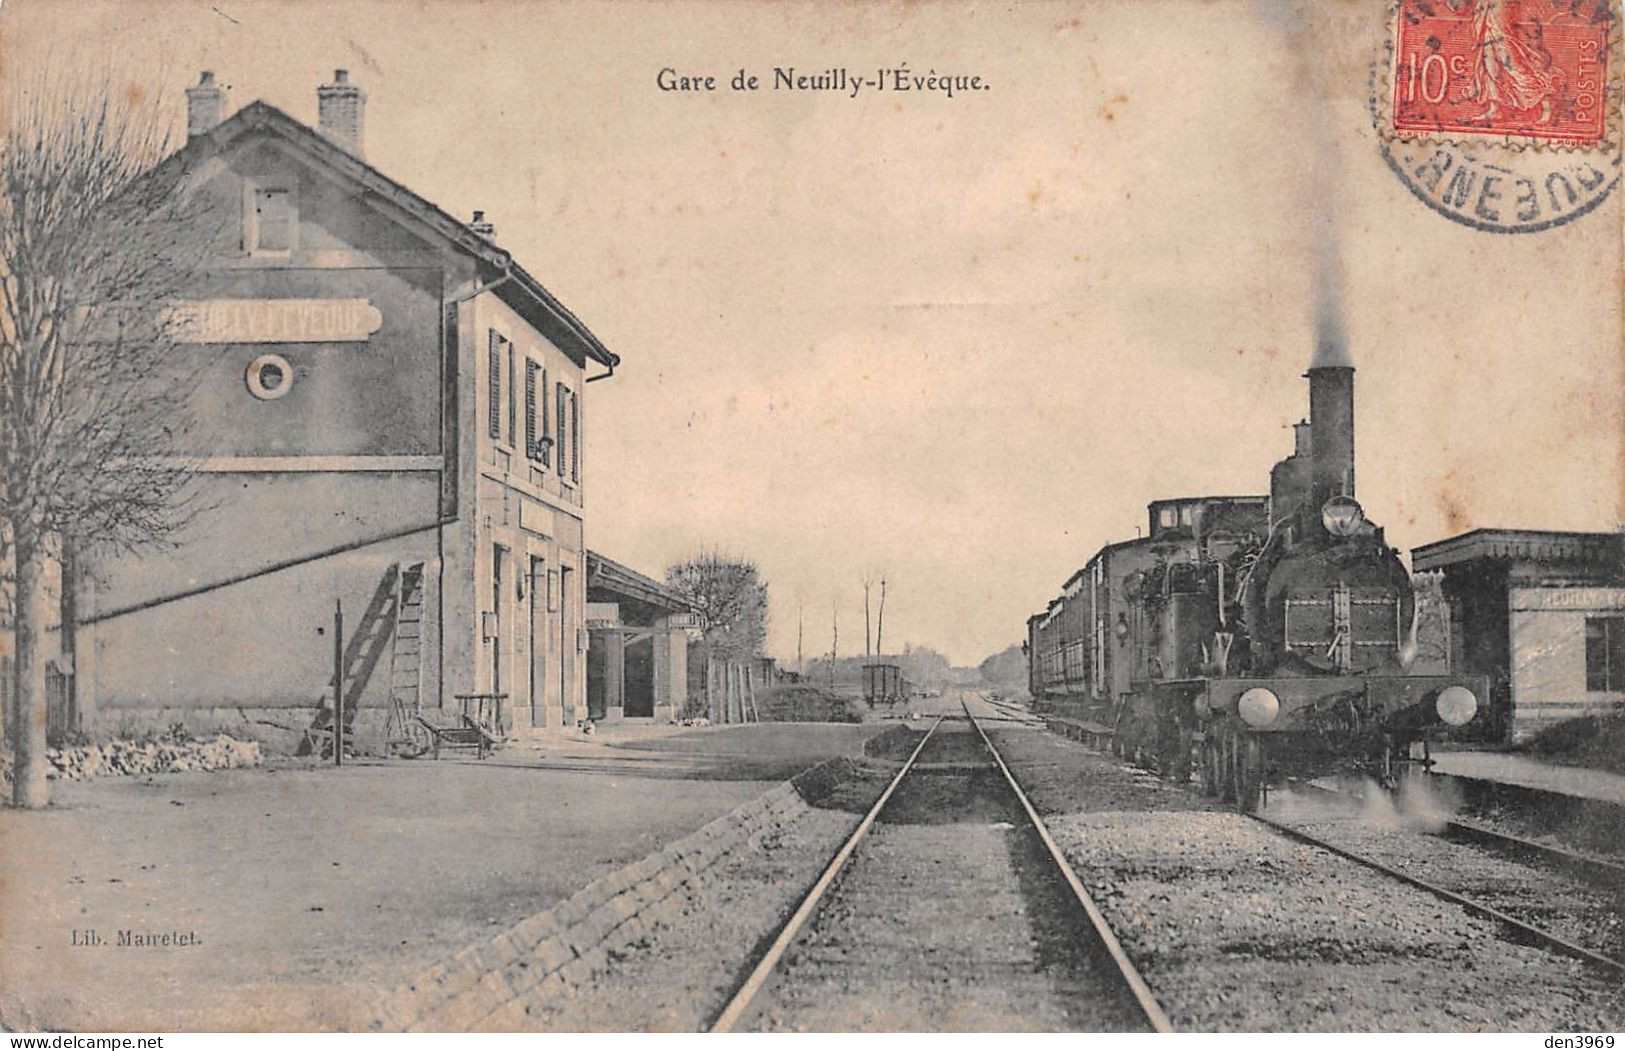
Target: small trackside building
{"points": [[637, 662], [1542, 614], [392, 411]]}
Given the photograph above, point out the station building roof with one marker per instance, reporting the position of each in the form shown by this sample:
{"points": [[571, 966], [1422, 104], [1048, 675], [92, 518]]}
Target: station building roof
{"points": [[1604, 551], [518, 288], [609, 581]]}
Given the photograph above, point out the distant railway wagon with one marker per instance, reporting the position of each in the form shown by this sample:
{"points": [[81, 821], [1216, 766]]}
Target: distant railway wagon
{"points": [[1253, 637], [882, 683]]}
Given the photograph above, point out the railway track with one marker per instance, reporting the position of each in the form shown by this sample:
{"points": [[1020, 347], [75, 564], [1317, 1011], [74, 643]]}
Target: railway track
{"points": [[949, 906], [1605, 878], [1600, 872], [1605, 874]]}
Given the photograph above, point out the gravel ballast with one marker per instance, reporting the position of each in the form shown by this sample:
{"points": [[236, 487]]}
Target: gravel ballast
{"points": [[948, 918], [1237, 928]]}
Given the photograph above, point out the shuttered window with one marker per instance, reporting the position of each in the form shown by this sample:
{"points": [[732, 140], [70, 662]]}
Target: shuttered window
{"points": [[274, 220], [546, 451], [494, 383], [513, 392], [575, 438], [532, 445], [562, 405]]}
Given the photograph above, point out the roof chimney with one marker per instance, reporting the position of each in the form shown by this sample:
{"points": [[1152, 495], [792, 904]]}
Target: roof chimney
{"points": [[205, 105], [339, 108], [481, 226]]}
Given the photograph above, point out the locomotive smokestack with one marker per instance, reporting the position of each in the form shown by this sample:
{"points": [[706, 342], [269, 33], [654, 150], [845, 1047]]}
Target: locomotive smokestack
{"points": [[1331, 425]]}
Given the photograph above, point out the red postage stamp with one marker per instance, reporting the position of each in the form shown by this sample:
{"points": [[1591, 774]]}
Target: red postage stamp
{"points": [[1533, 69]]}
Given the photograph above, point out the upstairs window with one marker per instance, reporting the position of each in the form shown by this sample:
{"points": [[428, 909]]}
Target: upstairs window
{"points": [[513, 392], [496, 351], [561, 405], [272, 220], [1605, 654], [547, 423], [532, 445], [538, 442]]}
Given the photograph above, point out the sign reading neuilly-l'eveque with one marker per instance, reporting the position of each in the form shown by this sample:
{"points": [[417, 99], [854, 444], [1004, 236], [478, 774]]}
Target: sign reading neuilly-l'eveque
{"points": [[274, 320]]}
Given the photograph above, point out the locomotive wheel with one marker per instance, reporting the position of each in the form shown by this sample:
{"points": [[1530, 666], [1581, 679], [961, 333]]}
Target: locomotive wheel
{"points": [[1210, 766], [1178, 768], [1167, 753], [1249, 774], [1137, 745]]}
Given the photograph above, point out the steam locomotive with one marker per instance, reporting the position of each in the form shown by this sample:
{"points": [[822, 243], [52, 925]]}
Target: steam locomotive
{"points": [[1250, 638]]}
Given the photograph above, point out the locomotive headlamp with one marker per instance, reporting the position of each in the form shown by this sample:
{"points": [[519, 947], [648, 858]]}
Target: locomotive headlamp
{"points": [[1342, 515], [1456, 705], [1258, 706]]}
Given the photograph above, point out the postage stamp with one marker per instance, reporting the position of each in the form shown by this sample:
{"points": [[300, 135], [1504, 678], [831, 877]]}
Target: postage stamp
{"points": [[1525, 70], [1501, 115]]}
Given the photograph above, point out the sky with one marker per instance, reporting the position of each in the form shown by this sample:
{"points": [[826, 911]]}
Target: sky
{"points": [[958, 342]]}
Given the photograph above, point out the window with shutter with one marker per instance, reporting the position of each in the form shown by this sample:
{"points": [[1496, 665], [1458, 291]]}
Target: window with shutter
{"points": [[274, 220], [494, 382], [513, 392], [547, 424], [575, 438], [532, 446], [561, 406]]}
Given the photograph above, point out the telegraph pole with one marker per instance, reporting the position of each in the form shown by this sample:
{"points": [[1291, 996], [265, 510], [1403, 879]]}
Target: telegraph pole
{"points": [[880, 625], [834, 636]]}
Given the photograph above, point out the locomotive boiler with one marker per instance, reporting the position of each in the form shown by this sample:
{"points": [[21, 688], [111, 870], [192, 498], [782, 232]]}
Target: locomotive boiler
{"points": [[1248, 650]]}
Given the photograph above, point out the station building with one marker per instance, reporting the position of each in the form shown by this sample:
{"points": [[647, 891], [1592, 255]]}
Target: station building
{"points": [[1542, 614], [393, 409]]}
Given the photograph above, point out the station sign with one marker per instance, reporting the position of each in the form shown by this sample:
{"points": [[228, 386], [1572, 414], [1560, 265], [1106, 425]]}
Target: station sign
{"points": [[1581, 598], [274, 320]]}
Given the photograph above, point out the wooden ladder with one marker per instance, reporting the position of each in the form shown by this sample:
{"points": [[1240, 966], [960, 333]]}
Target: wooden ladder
{"points": [[398, 596], [402, 730]]}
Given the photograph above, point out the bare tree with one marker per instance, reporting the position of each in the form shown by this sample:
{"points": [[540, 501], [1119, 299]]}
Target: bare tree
{"points": [[98, 238], [729, 599]]}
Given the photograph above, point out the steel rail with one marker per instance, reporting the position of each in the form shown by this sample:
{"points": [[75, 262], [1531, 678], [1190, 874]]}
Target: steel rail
{"points": [[1536, 935], [1608, 875], [1143, 997], [769, 961]]}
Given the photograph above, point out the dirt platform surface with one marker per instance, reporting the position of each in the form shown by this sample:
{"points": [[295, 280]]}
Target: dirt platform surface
{"points": [[276, 898], [803, 743]]}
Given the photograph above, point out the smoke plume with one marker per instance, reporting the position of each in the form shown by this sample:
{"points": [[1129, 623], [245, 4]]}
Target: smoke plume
{"points": [[1326, 183], [1331, 335]]}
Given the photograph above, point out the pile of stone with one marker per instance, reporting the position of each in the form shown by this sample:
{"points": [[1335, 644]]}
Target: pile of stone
{"points": [[84, 762]]}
